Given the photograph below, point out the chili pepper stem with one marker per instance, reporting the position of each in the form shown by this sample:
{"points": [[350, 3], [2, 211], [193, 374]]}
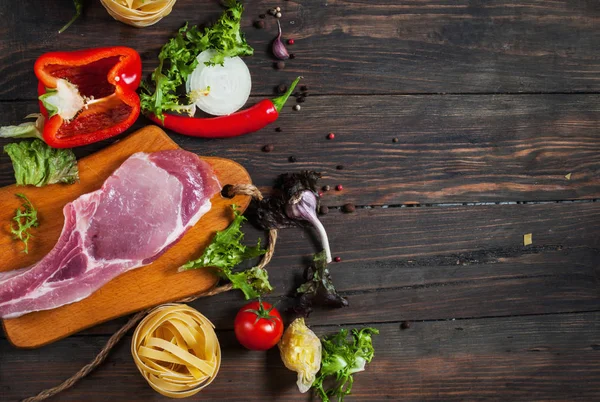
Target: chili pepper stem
{"points": [[279, 102]]}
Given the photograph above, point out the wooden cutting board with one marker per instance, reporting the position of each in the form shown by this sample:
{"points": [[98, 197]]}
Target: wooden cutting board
{"points": [[135, 290]]}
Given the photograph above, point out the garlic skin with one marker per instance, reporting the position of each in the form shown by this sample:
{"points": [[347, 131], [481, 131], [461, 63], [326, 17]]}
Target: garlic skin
{"points": [[300, 351], [304, 207], [279, 50]]}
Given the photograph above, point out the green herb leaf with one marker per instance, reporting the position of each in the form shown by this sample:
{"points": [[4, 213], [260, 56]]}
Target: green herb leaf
{"points": [[25, 130], [342, 357], [37, 164], [318, 288], [25, 218], [177, 60], [253, 282], [226, 251], [78, 10]]}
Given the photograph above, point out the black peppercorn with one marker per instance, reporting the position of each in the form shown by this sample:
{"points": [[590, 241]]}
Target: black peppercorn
{"points": [[281, 88], [323, 210], [340, 167], [278, 129], [263, 16], [292, 159], [348, 208], [268, 148], [405, 325], [300, 99], [280, 65], [304, 88], [326, 188], [395, 140], [260, 24], [292, 56]]}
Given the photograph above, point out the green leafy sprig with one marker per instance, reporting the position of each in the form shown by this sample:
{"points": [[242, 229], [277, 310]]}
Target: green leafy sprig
{"points": [[227, 251], [177, 60], [25, 218], [341, 358], [78, 10]]}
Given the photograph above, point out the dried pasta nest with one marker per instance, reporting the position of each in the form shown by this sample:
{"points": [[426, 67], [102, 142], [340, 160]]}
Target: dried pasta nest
{"points": [[138, 13], [176, 350]]}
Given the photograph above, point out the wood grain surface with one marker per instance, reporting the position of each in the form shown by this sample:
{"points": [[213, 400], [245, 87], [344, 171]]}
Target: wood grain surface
{"points": [[403, 264], [519, 358], [449, 148], [350, 46], [492, 104], [132, 291]]}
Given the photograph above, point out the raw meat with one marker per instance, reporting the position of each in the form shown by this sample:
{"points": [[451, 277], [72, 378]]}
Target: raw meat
{"points": [[142, 209]]}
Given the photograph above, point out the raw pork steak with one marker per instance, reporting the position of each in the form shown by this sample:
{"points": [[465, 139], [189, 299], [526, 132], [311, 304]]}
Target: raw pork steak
{"points": [[142, 209]]}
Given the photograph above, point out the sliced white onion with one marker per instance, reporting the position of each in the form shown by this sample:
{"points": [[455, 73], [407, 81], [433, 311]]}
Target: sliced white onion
{"points": [[219, 90]]}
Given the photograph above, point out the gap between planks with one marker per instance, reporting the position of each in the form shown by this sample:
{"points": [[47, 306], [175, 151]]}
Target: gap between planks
{"points": [[383, 322], [470, 204], [340, 94]]}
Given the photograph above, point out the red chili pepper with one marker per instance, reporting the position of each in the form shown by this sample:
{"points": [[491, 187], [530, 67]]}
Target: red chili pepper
{"points": [[107, 77], [233, 125]]}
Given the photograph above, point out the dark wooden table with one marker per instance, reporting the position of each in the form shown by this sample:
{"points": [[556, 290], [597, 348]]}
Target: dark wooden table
{"points": [[492, 103]]}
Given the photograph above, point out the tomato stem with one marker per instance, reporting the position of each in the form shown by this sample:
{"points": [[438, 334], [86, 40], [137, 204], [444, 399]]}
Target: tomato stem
{"points": [[262, 312]]}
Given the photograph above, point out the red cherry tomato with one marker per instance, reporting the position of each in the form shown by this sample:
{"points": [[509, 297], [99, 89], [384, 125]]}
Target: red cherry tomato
{"points": [[258, 326]]}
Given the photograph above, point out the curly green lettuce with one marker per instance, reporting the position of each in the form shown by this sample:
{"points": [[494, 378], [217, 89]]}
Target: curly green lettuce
{"points": [[38, 164], [177, 60], [341, 358], [227, 251]]}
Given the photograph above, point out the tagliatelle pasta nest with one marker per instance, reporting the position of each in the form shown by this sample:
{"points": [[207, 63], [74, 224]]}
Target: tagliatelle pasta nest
{"points": [[176, 350], [138, 13]]}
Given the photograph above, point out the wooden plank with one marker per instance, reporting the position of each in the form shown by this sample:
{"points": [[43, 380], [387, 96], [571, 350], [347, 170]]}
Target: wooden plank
{"points": [[422, 46], [520, 358], [449, 149], [439, 263]]}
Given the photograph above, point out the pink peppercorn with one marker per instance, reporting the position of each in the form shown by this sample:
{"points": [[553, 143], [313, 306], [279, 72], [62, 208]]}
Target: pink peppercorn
{"points": [[290, 41], [337, 259], [339, 187], [320, 194], [330, 136]]}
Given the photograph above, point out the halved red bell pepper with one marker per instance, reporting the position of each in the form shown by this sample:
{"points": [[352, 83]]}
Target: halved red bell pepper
{"points": [[95, 93]]}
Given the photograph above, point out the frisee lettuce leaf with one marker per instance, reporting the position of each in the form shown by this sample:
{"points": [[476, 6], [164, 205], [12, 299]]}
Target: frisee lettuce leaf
{"points": [[227, 251], [25, 218], [341, 358], [177, 60], [38, 164]]}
